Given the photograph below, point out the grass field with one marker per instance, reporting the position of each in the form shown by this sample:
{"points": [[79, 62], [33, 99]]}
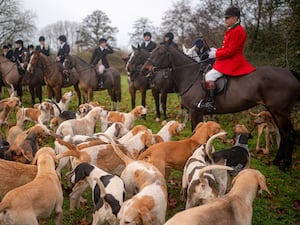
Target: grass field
{"points": [[282, 207]]}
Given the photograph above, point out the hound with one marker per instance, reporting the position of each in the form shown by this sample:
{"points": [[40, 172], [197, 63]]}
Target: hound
{"points": [[23, 205], [175, 153], [233, 208]]}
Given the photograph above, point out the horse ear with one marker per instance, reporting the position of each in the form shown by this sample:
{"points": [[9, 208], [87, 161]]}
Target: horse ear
{"points": [[193, 48], [132, 46], [138, 46], [184, 49]]}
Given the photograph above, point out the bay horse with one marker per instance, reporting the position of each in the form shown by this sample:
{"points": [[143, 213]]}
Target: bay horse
{"points": [[53, 76], [276, 88], [160, 83], [88, 80], [10, 75]]}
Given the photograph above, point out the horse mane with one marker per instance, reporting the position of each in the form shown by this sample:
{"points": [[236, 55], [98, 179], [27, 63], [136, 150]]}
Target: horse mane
{"points": [[178, 50], [80, 59]]}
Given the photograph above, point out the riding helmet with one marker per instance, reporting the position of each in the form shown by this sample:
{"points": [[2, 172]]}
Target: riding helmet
{"points": [[102, 40], [19, 42], [5, 47], [170, 35], [42, 38], [198, 43], [30, 46], [147, 34], [62, 38], [232, 11]]}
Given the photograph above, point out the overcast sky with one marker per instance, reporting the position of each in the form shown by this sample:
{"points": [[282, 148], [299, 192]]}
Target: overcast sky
{"points": [[122, 13]]}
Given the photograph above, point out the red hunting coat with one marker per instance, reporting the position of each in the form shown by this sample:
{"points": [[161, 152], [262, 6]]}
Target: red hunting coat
{"points": [[229, 58]]}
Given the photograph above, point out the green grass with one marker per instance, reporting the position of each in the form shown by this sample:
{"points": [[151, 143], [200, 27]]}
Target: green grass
{"points": [[275, 209]]}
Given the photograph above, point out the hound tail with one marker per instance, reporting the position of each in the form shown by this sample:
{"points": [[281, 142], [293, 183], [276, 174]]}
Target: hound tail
{"points": [[209, 148], [212, 167], [127, 160], [68, 153], [92, 142], [54, 103], [101, 187]]}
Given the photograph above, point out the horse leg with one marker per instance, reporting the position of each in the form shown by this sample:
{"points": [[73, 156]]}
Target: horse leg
{"points": [[155, 94], [57, 91], [196, 117], [39, 92], [77, 90], [163, 100], [90, 95], [283, 157], [132, 92], [32, 94], [50, 92], [20, 91]]}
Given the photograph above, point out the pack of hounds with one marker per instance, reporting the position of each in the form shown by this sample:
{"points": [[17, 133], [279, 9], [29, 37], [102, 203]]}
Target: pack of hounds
{"points": [[126, 166]]}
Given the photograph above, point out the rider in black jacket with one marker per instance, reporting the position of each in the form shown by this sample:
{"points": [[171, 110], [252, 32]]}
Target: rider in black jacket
{"points": [[100, 54], [148, 44], [63, 51], [42, 47]]}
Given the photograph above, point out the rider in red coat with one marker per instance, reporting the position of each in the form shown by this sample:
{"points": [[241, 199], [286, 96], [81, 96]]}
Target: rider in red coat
{"points": [[229, 58]]}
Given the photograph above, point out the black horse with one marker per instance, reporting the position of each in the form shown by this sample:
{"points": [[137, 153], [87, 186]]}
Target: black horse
{"points": [[276, 88], [159, 81]]}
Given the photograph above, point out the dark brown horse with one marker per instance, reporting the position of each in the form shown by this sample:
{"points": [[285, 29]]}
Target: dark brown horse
{"points": [[88, 80], [275, 88], [35, 81], [53, 75], [160, 83], [10, 75]]}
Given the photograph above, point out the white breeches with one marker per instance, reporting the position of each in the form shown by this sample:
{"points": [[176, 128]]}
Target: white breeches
{"points": [[212, 75]]}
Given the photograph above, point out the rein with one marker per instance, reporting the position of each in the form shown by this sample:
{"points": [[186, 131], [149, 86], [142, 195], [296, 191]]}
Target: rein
{"points": [[88, 66]]}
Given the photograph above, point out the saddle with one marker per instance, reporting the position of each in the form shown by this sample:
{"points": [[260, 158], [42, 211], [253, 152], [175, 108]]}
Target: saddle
{"points": [[221, 85]]}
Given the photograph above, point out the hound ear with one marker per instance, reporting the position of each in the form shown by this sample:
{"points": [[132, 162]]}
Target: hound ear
{"points": [[147, 139], [262, 183], [146, 216]]}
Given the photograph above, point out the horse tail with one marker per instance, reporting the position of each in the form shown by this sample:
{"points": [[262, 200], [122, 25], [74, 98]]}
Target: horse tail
{"points": [[297, 75]]}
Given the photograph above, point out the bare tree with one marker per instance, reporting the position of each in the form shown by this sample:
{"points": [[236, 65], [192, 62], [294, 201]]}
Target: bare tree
{"points": [[177, 20], [140, 26], [67, 28], [14, 23], [95, 26]]}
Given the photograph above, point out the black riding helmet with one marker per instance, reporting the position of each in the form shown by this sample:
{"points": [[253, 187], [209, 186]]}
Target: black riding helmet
{"points": [[102, 40], [62, 38], [19, 42], [147, 34], [41, 38], [232, 11], [169, 35]]}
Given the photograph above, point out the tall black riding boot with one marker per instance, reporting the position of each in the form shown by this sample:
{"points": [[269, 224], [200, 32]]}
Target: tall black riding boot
{"points": [[208, 104]]}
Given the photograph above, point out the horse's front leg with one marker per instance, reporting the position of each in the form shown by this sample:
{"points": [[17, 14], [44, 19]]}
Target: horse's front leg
{"points": [[163, 100], [32, 94], [155, 94], [283, 157], [196, 117], [50, 92], [57, 91], [77, 90], [132, 92]]}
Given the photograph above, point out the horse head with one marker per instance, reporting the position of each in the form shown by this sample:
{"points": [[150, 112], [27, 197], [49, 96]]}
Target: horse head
{"points": [[137, 57], [160, 58], [34, 58]]}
